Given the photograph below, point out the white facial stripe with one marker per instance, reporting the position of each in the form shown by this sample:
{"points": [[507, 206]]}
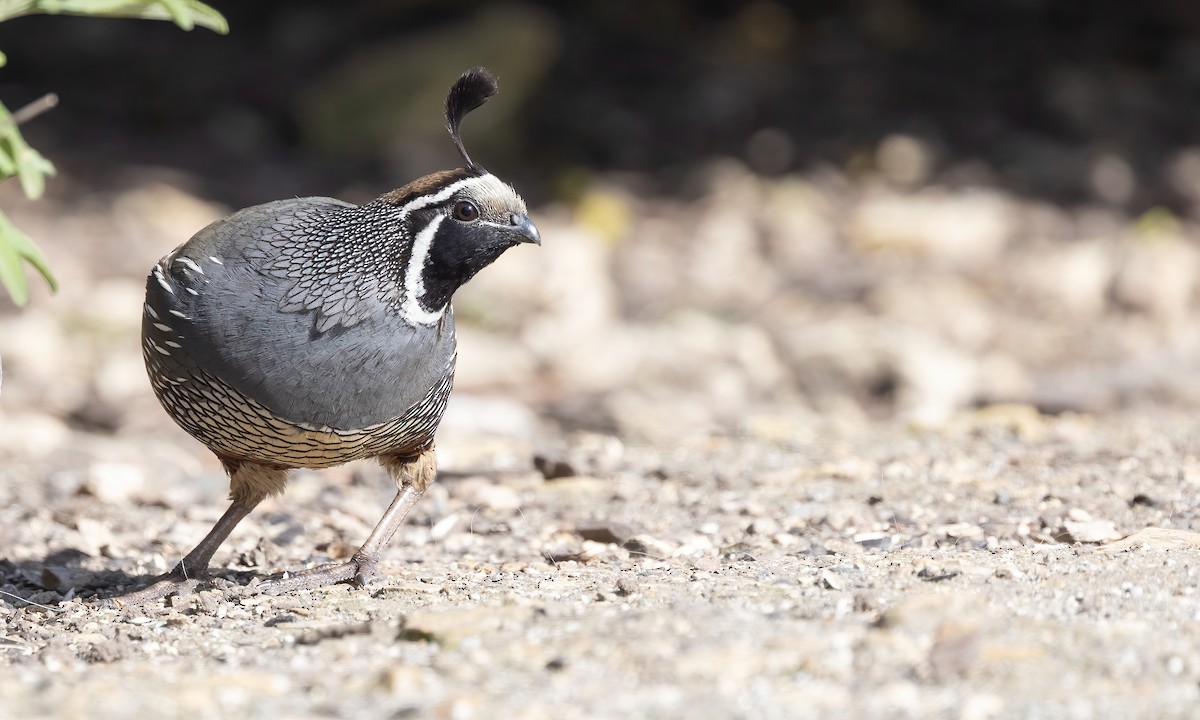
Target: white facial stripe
{"points": [[446, 193], [484, 188], [414, 281]]}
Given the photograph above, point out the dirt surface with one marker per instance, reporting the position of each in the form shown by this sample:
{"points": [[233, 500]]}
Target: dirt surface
{"points": [[796, 448], [802, 571]]}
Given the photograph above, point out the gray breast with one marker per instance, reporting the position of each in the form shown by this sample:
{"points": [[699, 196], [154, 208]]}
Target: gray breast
{"points": [[240, 322]]}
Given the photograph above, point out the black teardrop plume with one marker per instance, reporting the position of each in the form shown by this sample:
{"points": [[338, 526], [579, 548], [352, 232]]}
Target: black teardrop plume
{"points": [[470, 91]]}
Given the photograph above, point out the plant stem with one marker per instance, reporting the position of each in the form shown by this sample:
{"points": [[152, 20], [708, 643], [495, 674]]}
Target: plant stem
{"points": [[32, 110]]}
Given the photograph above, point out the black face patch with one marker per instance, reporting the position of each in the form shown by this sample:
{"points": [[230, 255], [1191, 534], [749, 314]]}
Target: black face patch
{"points": [[457, 252]]}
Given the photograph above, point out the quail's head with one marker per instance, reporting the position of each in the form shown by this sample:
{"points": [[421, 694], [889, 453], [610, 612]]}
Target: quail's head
{"points": [[460, 220]]}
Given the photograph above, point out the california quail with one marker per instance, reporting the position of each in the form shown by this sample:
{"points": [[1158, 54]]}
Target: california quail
{"points": [[307, 333]]}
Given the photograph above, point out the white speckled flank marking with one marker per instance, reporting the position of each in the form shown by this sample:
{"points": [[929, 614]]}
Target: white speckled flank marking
{"points": [[190, 263], [150, 311], [414, 277], [177, 314], [192, 291], [158, 275], [215, 259], [164, 328]]}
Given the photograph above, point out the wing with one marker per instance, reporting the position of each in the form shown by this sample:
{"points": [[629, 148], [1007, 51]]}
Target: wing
{"points": [[230, 297], [334, 258]]}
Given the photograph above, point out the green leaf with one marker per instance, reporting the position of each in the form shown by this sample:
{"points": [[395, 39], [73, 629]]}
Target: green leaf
{"points": [[32, 169], [16, 246], [184, 13], [11, 275], [8, 166], [17, 158], [179, 13]]}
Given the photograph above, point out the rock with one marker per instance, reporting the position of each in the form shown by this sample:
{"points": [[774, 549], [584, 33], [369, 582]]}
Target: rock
{"points": [[967, 228], [874, 540], [1089, 531], [114, 483], [1158, 275], [649, 546], [904, 160], [795, 209], [937, 572], [1071, 278], [94, 536], [955, 309], [1023, 421], [927, 378], [605, 531], [595, 453], [1154, 538], [914, 614], [956, 648], [477, 415], [115, 306], [627, 585], [725, 242], [576, 488], [33, 434], [496, 497], [449, 627], [57, 578], [830, 581], [489, 359], [562, 306], [442, 527], [764, 527], [958, 531], [936, 378], [553, 468]]}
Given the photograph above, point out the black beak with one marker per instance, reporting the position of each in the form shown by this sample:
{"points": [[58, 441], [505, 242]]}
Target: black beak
{"points": [[525, 229]]}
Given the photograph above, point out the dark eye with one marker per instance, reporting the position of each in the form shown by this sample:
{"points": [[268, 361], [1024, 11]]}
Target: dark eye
{"points": [[466, 211]]}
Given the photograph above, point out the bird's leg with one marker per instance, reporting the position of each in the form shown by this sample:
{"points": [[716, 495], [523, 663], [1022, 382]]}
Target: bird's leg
{"points": [[413, 474], [249, 484]]}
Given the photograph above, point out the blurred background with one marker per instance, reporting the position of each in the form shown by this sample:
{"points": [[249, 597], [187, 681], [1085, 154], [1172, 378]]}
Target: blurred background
{"points": [[754, 214]]}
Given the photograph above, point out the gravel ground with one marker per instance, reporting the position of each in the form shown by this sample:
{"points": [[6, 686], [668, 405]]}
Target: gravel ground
{"points": [[812, 570], [792, 448]]}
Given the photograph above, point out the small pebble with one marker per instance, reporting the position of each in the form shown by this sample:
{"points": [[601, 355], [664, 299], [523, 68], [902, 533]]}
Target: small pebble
{"points": [[648, 546], [442, 527], [627, 585], [553, 468], [830, 581], [605, 531]]}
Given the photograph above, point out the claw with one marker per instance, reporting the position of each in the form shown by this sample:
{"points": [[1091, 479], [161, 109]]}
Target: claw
{"points": [[173, 583], [358, 570]]}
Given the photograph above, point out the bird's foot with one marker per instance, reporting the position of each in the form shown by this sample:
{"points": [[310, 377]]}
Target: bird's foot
{"points": [[177, 582], [357, 570]]}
